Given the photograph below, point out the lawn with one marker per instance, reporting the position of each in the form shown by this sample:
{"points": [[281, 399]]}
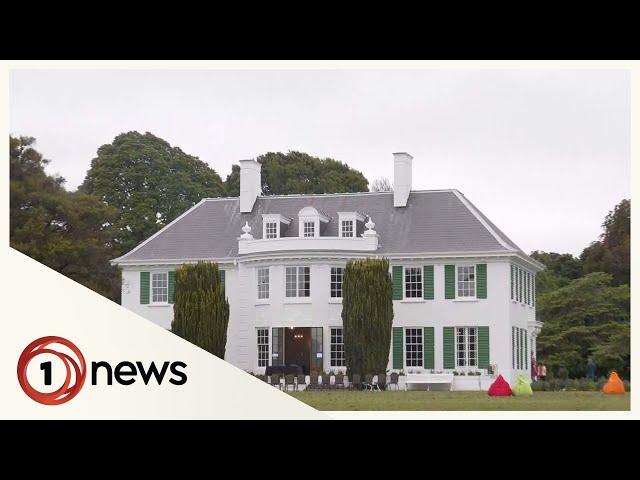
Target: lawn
{"points": [[421, 400]]}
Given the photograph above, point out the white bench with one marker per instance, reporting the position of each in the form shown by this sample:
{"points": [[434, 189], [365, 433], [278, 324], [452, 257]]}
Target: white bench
{"points": [[428, 379]]}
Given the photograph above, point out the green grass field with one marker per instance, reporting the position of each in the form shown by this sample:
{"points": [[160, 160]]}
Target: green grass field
{"points": [[416, 400]]}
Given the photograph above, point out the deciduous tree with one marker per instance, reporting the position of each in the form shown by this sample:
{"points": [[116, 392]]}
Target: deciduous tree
{"points": [[149, 182]]}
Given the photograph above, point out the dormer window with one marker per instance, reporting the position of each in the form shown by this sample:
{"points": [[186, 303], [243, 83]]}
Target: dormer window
{"points": [[309, 229], [348, 224], [273, 225], [270, 230], [310, 221], [346, 228]]}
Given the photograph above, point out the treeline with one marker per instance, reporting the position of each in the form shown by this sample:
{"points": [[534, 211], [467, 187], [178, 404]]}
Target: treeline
{"points": [[584, 302], [135, 185]]}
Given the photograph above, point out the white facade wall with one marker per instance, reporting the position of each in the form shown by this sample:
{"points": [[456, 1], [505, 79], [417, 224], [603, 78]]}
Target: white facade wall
{"points": [[247, 312]]}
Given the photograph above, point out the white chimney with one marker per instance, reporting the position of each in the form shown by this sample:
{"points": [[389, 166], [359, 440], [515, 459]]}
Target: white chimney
{"points": [[250, 184], [401, 178]]}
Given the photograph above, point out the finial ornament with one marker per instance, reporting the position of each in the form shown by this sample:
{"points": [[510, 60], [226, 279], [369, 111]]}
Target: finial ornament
{"points": [[247, 232]]}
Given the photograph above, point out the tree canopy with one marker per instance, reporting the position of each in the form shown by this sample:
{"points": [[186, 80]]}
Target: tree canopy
{"points": [[612, 252], [70, 232], [587, 317], [149, 182], [296, 172], [585, 302]]}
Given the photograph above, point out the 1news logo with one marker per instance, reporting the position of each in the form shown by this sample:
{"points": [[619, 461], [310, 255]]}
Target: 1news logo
{"points": [[37, 380]]}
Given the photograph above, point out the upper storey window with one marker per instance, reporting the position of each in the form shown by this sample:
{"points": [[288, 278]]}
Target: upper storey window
{"points": [[348, 224], [273, 225], [310, 222]]}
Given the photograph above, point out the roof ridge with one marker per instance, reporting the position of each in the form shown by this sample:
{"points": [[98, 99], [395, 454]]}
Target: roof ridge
{"points": [[300, 195]]}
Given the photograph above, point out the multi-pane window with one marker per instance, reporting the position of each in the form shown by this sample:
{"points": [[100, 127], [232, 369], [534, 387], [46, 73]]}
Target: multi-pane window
{"points": [[413, 346], [413, 282], [466, 346], [336, 282], [309, 229], [467, 281], [263, 347], [337, 348], [297, 281], [347, 228], [159, 287], [263, 283], [271, 230]]}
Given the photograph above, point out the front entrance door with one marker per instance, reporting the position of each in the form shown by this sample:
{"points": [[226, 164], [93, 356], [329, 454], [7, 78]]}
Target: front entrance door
{"points": [[297, 347]]}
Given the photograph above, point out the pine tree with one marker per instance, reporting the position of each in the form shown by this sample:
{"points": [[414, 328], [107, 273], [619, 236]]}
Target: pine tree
{"points": [[367, 315], [201, 310]]}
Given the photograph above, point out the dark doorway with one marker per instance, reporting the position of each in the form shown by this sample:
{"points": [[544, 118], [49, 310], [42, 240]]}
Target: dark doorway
{"points": [[297, 347]]}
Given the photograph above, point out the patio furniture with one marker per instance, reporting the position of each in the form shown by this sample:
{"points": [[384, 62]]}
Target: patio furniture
{"points": [[289, 380], [368, 382], [275, 381], [356, 384], [301, 380], [284, 370], [326, 382], [394, 380], [339, 380], [381, 382], [428, 379], [313, 381]]}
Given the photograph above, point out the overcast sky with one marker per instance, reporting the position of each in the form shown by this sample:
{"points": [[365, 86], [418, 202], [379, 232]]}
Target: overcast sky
{"points": [[544, 154]]}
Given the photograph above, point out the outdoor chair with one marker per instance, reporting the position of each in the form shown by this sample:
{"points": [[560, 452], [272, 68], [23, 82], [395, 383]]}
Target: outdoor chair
{"points": [[313, 381], [368, 381], [381, 382], [326, 382], [339, 380], [275, 381], [302, 380], [394, 381], [289, 380], [356, 384]]}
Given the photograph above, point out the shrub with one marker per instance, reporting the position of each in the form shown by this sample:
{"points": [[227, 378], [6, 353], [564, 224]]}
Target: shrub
{"points": [[367, 315], [201, 310], [563, 373]]}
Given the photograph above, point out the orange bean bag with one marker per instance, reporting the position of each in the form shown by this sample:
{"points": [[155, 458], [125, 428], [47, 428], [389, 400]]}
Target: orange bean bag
{"points": [[499, 388], [614, 386]]}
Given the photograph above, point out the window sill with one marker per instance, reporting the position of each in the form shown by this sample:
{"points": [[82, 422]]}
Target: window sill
{"points": [[465, 300], [336, 300], [160, 305], [413, 300], [293, 301], [263, 302]]}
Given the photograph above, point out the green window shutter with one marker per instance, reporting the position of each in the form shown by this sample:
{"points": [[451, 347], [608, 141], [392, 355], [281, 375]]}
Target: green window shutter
{"points": [[397, 282], [519, 280], [427, 280], [533, 296], [481, 280], [512, 275], [513, 347], [398, 347], [145, 282], [222, 281], [519, 349], [428, 348], [526, 349], [172, 285], [448, 351], [526, 276], [449, 282], [483, 347]]}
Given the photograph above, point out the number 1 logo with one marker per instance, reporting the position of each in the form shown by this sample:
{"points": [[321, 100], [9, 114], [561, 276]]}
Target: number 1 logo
{"points": [[50, 345]]}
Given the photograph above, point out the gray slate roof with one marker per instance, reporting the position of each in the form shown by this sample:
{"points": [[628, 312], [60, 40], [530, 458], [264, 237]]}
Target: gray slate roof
{"points": [[434, 221]]}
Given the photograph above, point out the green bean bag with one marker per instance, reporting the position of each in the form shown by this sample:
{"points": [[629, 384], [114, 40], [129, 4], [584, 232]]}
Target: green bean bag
{"points": [[522, 387]]}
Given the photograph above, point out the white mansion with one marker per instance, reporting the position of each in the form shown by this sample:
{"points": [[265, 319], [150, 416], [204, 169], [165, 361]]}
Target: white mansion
{"points": [[463, 293]]}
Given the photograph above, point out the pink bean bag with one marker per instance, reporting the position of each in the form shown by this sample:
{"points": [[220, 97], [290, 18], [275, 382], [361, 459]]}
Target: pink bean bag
{"points": [[499, 388]]}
